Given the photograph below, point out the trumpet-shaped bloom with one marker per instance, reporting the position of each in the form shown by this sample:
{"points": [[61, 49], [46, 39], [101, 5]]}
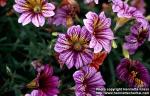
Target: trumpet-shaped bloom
{"points": [[137, 37], [87, 81], [45, 84], [33, 11], [133, 73], [73, 47], [101, 34], [124, 10]]}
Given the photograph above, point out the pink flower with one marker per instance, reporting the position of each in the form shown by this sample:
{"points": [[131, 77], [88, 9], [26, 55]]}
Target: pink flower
{"points": [[99, 27], [45, 84], [33, 11], [73, 47]]}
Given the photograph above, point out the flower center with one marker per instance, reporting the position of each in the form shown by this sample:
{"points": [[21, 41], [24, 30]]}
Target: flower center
{"points": [[137, 81], [142, 35], [37, 9], [77, 46], [134, 74]]}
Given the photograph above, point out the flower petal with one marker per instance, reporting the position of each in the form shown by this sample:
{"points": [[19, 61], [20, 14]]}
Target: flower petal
{"points": [[47, 13], [74, 31], [38, 20], [35, 93], [64, 57], [93, 42], [25, 18], [62, 43], [96, 1], [97, 48], [88, 24], [27, 95], [48, 6], [79, 61]]}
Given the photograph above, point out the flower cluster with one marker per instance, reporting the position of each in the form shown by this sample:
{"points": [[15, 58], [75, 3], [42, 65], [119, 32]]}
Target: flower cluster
{"points": [[86, 46], [75, 47]]}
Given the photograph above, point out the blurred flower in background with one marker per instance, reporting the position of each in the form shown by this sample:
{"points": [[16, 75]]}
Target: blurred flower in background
{"points": [[73, 47], [33, 11], [136, 38], [65, 13], [99, 27], [3, 3], [106, 7], [133, 72], [64, 16], [139, 4], [87, 79], [45, 84]]}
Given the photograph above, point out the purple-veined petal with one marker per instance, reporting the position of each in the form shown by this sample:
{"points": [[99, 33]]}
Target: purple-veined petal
{"points": [[88, 24], [97, 48], [48, 7], [19, 8], [47, 13], [74, 30], [93, 42], [25, 18], [38, 20]]}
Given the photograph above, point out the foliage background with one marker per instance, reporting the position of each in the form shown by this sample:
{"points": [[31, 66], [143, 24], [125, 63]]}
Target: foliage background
{"points": [[19, 45]]}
